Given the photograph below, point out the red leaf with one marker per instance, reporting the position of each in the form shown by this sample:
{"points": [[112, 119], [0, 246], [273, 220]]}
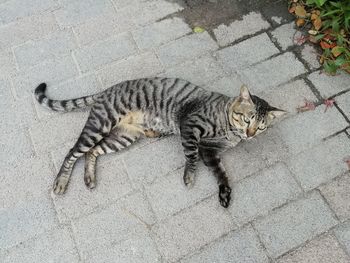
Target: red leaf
{"points": [[347, 161], [329, 103], [308, 105]]}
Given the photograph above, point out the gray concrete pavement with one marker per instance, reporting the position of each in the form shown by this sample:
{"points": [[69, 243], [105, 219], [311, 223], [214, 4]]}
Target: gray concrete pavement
{"points": [[291, 187]]}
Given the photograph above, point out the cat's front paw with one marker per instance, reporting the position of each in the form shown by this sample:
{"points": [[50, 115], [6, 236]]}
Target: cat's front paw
{"points": [[224, 195], [60, 185], [189, 179]]}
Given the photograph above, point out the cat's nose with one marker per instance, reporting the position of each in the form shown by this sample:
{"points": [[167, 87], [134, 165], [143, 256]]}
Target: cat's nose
{"points": [[250, 132]]}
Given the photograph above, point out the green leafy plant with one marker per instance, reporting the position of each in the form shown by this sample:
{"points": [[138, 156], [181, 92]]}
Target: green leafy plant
{"points": [[330, 20]]}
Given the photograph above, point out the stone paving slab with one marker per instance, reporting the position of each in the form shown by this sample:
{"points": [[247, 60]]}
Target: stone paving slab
{"points": [[337, 194], [47, 246], [302, 220], [344, 103], [191, 229], [320, 250], [240, 246], [342, 232]]}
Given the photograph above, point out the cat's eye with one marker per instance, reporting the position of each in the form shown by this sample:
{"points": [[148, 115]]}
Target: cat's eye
{"points": [[262, 128], [246, 120]]}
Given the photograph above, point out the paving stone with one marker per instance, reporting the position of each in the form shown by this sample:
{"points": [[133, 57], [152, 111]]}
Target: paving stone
{"points": [[112, 183], [270, 73], [330, 85], [75, 12], [246, 53], [325, 162], [191, 229], [102, 27], [26, 220], [258, 194], [250, 24], [321, 250], [227, 85], [337, 194], [175, 196], [305, 130], [311, 56], [145, 12], [138, 66], [286, 35], [8, 64], [27, 178], [48, 246], [342, 232], [25, 29], [185, 48], [122, 3], [154, 35], [51, 71], [55, 45], [248, 164], [15, 9], [268, 147], [141, 166], [241, 246], [98, 54], [109, 226], [137, 249], [62, 130], [343, 102], [289, 96], [72, 88], [302, 220], [200, 71]]}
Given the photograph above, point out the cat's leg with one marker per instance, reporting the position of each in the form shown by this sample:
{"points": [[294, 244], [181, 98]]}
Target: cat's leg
{"points": [[190, 137], [95, 129], [212, 159], [116, 141]]}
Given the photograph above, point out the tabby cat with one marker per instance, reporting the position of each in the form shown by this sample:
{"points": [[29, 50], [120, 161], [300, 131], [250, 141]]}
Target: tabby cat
{"points": [[208, 123]]}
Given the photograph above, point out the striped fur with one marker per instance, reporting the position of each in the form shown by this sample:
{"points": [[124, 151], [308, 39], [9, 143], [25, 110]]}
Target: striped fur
{"points": [[154, 107]]}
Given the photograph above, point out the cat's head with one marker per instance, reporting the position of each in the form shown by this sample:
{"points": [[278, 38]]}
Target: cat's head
{"points": [[251, 115]]}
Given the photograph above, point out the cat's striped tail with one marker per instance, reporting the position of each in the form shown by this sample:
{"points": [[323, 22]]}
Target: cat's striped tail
{"points": [[62, 105]]}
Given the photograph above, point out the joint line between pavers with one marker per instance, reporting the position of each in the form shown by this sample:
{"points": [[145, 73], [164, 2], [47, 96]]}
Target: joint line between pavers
{"points": [[335, 216], [340, 243], [260, 241], [336, 134], [274, 41], [313, 89], [80, 72], [341, 112]]}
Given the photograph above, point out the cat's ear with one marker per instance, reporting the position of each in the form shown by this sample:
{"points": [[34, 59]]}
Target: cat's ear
{"points": [[276, 113], [245, 94]]}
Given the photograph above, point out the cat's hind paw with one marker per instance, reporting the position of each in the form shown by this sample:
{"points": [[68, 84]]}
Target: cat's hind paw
{"points": [[90, 181], [189, 179], [224, 195], [60, 185]]}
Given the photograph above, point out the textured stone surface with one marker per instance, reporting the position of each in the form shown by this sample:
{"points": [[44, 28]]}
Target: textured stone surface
{"points": [[344, 103], [329, 85], [241, 246], [138, 66], [288, 97], [25, 29], [321, 250], [270, 73], [47, 246], [228, 85], [250, 24], [337, 194], [191, 229], [325, 162], [8, 65], [200, 71], [55, 45], [302, 220], [311, 56], [241, 55], [154, 35], [259, 194], [308, 129], [174, 195], [342, 232], [286, 35], [185, 48], [101, 53]]}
